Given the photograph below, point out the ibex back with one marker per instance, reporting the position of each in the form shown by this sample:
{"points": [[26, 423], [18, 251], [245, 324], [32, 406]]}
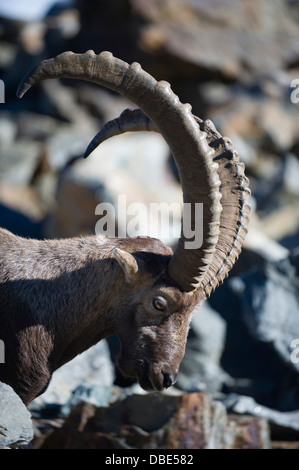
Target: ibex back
{"points": [[59, 297]]}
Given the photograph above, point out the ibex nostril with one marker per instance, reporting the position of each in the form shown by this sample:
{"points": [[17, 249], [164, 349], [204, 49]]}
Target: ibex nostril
{"points": [[168, 380]]}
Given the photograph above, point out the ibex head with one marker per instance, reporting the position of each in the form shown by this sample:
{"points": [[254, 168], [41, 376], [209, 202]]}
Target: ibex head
{"points": [[154, 316], [163, 288]]}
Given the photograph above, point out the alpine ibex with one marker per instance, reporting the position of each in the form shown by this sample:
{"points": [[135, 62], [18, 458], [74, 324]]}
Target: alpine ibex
{"points": [[60, 297]]}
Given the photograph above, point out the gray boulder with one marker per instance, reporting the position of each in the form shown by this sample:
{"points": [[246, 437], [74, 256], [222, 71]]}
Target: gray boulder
{"points": [[180, 29], [263, 340], [271, 305], [15, 420], [200, 369]]}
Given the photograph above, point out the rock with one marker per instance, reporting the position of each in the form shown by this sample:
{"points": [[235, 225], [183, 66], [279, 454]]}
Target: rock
{"points": [[284, 445], [186, 421], [102, 103], [229, 38], [278, 120], [294, 259], [247, 432], [200, 369], [259, 243], [262, 126], [197, 423], [65, 144], [37, 126], [118, 173], [270, 304], [95, 394], [265, 320], [8, 53], [74, 211], [8, 131], [243, 404], [280, 224], [19, 161], [21, 211], [291, 175], [62, 101], [258, 368], [16, 429], [23, 13]]}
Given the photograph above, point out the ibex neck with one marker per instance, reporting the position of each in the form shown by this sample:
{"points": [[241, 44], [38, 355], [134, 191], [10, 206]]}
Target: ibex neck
{"points": [[58, 285], [84, 311]]}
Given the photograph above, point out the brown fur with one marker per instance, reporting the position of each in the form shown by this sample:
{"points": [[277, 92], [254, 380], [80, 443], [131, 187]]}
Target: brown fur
{"points": [[60, 297]]}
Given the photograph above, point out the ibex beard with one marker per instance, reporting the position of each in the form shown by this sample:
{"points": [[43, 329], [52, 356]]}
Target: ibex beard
{"points": [[60, 297]]}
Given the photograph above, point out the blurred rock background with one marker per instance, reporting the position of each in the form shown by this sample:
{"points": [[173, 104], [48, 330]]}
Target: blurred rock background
{"points": [[236, 62]]}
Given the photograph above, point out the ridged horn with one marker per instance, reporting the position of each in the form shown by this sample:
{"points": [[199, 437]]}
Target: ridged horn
{"points": [[236, 208], [234, 189], [130, 120], [188, 144]]}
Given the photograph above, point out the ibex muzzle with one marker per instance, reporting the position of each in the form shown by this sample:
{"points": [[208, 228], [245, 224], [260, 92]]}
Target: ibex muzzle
{"points": [[59, 297]]}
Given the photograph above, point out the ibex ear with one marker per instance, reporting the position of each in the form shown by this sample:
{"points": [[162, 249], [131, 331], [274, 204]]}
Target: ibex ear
{"points": [[128, 264]]}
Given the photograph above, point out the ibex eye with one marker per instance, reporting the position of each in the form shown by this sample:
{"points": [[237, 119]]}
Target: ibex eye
{"points": [[159, 303]]}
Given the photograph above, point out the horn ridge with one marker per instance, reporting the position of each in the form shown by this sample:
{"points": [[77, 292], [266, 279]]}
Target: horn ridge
{"points": [[235, 201]]}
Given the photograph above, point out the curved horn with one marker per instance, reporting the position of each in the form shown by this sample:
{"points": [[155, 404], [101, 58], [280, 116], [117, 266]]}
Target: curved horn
{"points": [[130, 120], [188, 143], [234, 189]]}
